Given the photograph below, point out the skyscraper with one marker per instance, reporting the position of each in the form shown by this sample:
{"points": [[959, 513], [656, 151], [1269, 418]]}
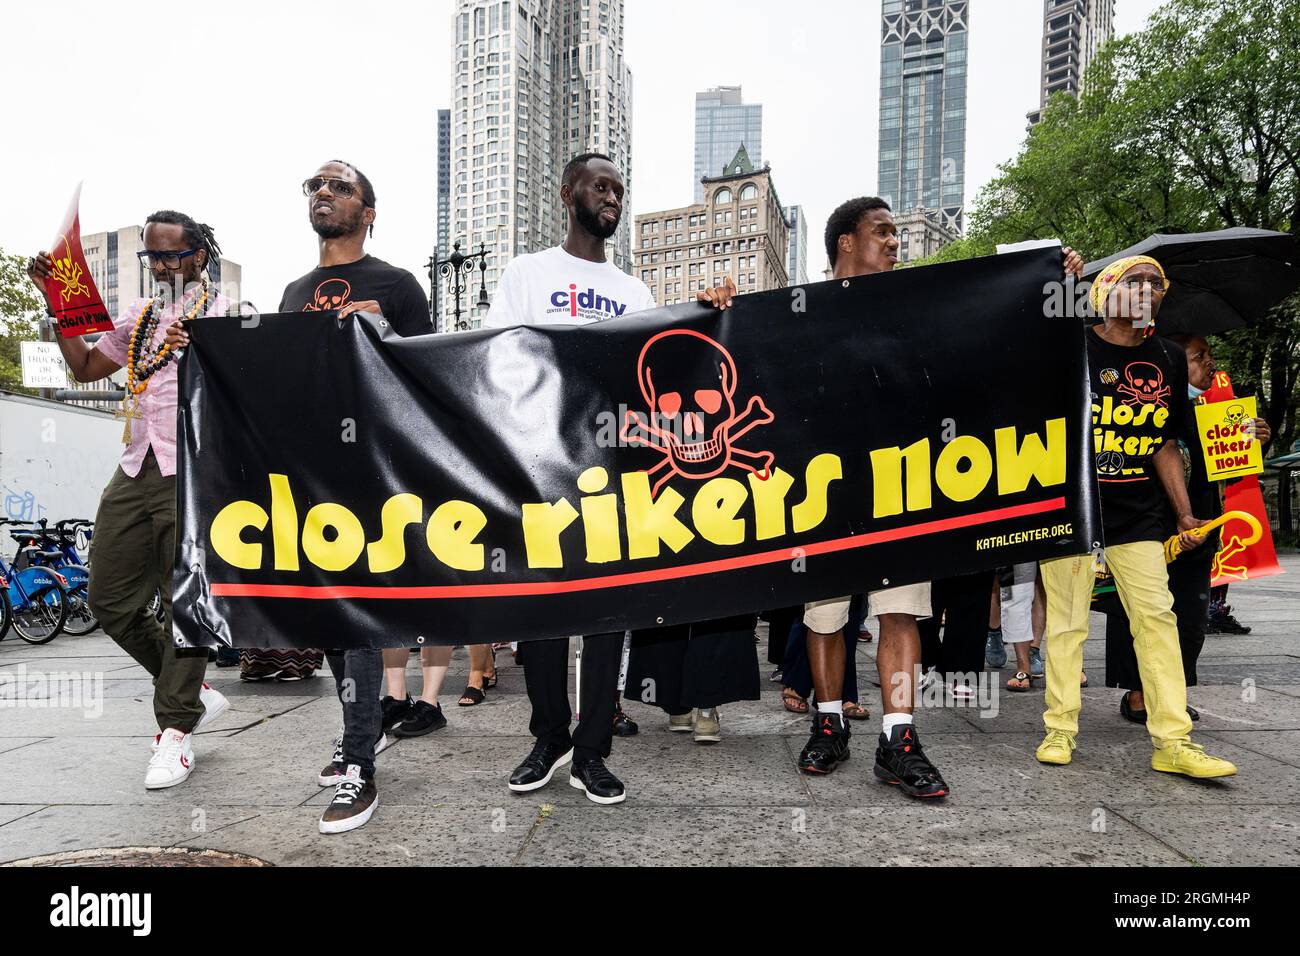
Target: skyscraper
{"points": [[1073, 32], [444, 182], [923, 108], [534, 82], [797, 258], [724, 123]]}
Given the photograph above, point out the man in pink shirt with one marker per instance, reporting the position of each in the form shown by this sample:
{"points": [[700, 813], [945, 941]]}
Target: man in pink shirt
{"points": [[135, 529]]}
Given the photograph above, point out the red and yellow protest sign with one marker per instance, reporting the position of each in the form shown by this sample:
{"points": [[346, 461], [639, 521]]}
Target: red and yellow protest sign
{"points": [[1240, 557], [1237, 558], [1227, 439], [78, 308]]}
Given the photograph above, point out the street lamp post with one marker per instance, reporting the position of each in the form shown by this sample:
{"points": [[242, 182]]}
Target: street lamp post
{"points": [[457, 271]]}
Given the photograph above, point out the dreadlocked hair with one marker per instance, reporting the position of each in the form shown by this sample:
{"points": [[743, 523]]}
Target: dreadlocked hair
{"points": [[197, 234]]}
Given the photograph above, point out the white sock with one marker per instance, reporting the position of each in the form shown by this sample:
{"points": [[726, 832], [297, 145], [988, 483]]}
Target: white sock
{"points": [[890, 721], [831, 707]]}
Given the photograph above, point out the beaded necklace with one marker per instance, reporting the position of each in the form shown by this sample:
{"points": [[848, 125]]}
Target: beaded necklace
{"points": [[143, 359]]}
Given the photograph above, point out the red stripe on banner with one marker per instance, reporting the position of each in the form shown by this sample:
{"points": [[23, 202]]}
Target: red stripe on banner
{"points": [[445, 591]]}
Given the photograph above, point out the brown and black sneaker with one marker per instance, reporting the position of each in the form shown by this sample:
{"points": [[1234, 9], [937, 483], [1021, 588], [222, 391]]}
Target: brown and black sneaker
{"points": [[354, 803], [828, 745]]}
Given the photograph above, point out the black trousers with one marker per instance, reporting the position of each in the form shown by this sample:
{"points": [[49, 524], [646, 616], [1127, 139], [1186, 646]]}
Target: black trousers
{"points": [[965, 599], [1189, 583], [546, 674], [779, 623]]}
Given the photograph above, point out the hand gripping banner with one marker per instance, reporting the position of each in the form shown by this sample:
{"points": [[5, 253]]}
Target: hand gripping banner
{"points": [[340, 486]]}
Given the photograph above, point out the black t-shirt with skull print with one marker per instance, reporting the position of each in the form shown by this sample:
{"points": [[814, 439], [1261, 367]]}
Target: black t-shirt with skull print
{"points": [[401, 299], [1139, 403]]}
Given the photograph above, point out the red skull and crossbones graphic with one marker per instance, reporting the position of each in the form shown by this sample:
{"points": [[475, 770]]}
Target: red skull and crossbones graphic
{"points": [[1144, 384], [330, 294], [688, 382]]}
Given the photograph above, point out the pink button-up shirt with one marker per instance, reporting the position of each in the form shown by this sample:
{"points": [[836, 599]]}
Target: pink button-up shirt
{"points": [[156, 428]]}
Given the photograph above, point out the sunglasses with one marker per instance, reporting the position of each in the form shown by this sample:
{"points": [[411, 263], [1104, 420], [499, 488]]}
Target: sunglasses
{"points": [[339, 187], [169, 260]]}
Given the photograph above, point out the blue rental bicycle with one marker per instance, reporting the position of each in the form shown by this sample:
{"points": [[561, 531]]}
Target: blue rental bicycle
{"points": [[37, 597], [57, 548]]}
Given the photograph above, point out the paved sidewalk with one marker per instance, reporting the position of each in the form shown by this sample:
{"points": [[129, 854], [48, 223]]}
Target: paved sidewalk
{"points": [[74, 780]]}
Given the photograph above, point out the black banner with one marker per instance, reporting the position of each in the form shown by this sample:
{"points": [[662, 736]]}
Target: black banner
{"points": [[341, 486]]}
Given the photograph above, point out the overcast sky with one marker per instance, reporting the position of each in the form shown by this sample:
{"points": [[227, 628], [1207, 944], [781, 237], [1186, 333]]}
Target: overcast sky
{"points": [[221, 110]]}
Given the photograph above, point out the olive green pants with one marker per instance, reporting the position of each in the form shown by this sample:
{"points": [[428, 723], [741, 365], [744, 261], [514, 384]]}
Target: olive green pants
{"points": [[132, 553]]}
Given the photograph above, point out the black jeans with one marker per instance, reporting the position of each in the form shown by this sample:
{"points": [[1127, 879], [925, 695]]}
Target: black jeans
{"points": [[546, 675], [357, 677]]}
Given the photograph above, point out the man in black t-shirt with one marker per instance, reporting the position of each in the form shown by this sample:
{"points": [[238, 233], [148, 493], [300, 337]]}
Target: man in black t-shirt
{"points": [[341, 206], [1139, 386]]}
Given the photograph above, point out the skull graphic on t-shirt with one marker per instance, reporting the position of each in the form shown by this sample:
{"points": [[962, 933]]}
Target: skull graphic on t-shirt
{"points": [[330, 294]]}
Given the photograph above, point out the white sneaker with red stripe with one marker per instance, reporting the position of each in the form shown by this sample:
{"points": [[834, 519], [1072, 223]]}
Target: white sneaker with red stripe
{"points": [[214, 704], [172, 762]]}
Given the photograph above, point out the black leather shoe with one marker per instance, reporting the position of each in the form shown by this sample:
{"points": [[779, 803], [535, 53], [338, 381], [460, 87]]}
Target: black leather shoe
{"points": [[395, 711], [1128, 712], [593, 777], [624, 726], [901, 761], [538, 767], [828, 745]]}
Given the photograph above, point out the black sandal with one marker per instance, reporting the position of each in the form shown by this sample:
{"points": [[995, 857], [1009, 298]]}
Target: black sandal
{"points": [[474, 694]]}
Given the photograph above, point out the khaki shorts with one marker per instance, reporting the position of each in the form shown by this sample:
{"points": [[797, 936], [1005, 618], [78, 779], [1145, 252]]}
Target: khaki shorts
{"points": [[829, 616], [913, 599]]}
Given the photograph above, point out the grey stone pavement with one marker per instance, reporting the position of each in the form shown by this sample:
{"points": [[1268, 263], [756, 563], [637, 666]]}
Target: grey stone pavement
{"points": [[73, 779]]}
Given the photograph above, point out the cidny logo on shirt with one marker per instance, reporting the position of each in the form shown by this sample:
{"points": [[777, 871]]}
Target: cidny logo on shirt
{"points": [[585, 304]]}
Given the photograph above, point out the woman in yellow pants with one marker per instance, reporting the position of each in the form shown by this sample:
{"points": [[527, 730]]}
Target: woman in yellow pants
{"points": [[1140, 387]]}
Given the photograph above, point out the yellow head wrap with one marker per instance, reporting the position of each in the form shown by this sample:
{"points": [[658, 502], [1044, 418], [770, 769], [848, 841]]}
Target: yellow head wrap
{"points": [[1111, 275]]}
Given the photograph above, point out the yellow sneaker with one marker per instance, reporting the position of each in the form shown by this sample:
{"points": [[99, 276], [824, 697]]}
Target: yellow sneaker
{"points": [[1191, 760], [1056, 748]]}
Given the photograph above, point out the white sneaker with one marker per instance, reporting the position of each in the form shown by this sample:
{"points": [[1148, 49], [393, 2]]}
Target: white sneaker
{"points": [[214, 704], [173, 761], [929, 678]]}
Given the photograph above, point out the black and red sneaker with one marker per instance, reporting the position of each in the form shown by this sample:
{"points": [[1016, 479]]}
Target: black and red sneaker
{"points": [[901, 761], [828, 745]]}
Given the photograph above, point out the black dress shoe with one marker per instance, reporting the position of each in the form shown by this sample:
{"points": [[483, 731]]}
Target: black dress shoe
{"points": [[593, 777], [538, 767], [1128, 712]]}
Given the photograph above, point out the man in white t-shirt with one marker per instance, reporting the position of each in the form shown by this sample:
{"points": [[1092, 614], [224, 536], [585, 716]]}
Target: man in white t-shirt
{"points": [[573, 284]]}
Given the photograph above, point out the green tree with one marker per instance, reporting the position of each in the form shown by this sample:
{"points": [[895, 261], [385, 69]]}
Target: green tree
{"points": [[1191, 124], [21, 307]]}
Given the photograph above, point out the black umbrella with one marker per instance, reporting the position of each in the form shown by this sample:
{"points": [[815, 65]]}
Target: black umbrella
{"points": [[1219, 280]]}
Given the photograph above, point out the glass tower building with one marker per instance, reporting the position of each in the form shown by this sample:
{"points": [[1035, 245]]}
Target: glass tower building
{"points": [[723, 123], [923, 108]]}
